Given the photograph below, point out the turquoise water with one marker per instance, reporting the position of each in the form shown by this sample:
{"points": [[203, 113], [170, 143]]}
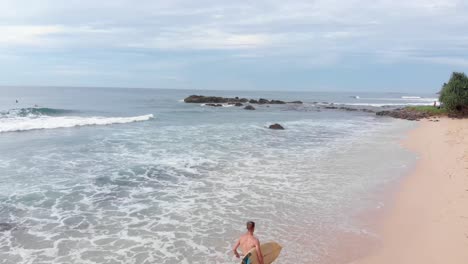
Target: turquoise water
{"points": [[137, 176]]}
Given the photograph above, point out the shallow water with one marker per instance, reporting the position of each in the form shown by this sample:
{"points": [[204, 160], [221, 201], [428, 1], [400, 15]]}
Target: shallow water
{"points": [[179, 187]]}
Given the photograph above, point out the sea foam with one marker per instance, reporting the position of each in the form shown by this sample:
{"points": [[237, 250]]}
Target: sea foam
{"points": [[25, 123]]}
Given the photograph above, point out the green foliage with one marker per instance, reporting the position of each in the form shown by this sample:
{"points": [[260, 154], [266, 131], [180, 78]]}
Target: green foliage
{"points": [[454, 94], [428, 109]]}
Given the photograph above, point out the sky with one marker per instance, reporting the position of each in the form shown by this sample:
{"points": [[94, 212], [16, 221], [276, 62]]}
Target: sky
{"points": [[321, 45]]}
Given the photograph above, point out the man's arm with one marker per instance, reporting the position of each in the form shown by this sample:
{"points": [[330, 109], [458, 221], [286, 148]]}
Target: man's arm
{"points": [[259, 252], [235, 249]]}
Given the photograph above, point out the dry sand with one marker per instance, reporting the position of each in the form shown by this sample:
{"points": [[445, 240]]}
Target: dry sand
{"points": [[427, 221]]}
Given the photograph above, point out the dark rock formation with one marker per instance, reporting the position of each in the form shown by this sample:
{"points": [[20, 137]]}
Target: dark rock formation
{"points": [[276, 126], [215, 105], [238, 104], [277, 102], [404, 113], [249, 107], [348, 108], [200, 99], [298, 102]]}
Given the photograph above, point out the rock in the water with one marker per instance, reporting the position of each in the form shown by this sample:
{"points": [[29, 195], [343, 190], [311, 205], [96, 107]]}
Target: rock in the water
{"points": [[276, 126], [214, 105], [348, 108], [298, 102], [277, 102], [238, 104], [249, 107], [200, 99]]}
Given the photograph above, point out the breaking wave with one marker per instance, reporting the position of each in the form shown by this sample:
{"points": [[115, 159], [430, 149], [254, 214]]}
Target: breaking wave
{"points": [[35, 111], [25, 119], [403, 98], [411, 97], [388, 104]]}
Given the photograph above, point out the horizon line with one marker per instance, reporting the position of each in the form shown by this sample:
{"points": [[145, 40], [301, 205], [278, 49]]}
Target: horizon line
{"points": [[203, 89]]}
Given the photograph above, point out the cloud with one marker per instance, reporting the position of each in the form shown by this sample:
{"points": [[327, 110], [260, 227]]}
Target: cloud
{"points": [[302, 33], [202, 39], [451, 61], [50, 36], [215, 25], [18, 35]]}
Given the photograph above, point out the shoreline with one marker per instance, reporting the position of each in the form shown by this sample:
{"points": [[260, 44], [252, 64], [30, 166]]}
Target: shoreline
{"points": [[427, 218], [349, 245]]}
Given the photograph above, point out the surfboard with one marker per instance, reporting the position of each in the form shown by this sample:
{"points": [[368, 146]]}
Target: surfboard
{"points": [[270, 251]]}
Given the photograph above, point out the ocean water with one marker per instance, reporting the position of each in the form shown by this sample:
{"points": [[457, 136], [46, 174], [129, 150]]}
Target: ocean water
{"points": [[94, 175]]}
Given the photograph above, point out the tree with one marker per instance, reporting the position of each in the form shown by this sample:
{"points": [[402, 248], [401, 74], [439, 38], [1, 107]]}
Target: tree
{"points": [[454, 94]]}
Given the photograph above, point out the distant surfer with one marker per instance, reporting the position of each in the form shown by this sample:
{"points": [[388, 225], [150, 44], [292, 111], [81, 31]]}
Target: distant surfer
{"points": [[247, 242]]}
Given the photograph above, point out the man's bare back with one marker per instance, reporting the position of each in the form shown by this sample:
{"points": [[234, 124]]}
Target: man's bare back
{"points": [[247, 242]]}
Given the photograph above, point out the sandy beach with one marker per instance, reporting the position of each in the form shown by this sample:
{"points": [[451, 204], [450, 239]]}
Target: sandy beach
{"points": [[427, 219]]}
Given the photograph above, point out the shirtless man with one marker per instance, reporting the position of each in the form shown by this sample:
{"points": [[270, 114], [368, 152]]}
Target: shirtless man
{"points": [[248, 241]]}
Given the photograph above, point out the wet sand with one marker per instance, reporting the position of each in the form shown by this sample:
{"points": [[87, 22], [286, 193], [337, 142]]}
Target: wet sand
{"points": [[427, 219]]}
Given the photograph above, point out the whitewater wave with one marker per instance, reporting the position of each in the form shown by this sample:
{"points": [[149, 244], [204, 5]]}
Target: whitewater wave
{"points": [[411, 97], [222, 105], [387, 104], [403, 98], [25, 123], [34, 112]]}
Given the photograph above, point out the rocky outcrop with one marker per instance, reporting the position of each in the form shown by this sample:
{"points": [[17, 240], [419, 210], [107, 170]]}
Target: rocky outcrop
{"points": [[276, 127], [238, 104], [214, 105], [201, 99], [297, 102], [277, 102], [347, 108], [404, 113], [331, 107], [249, 107]]}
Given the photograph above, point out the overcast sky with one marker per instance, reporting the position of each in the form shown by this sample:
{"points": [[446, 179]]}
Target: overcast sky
{"points": [[367, 45]]}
